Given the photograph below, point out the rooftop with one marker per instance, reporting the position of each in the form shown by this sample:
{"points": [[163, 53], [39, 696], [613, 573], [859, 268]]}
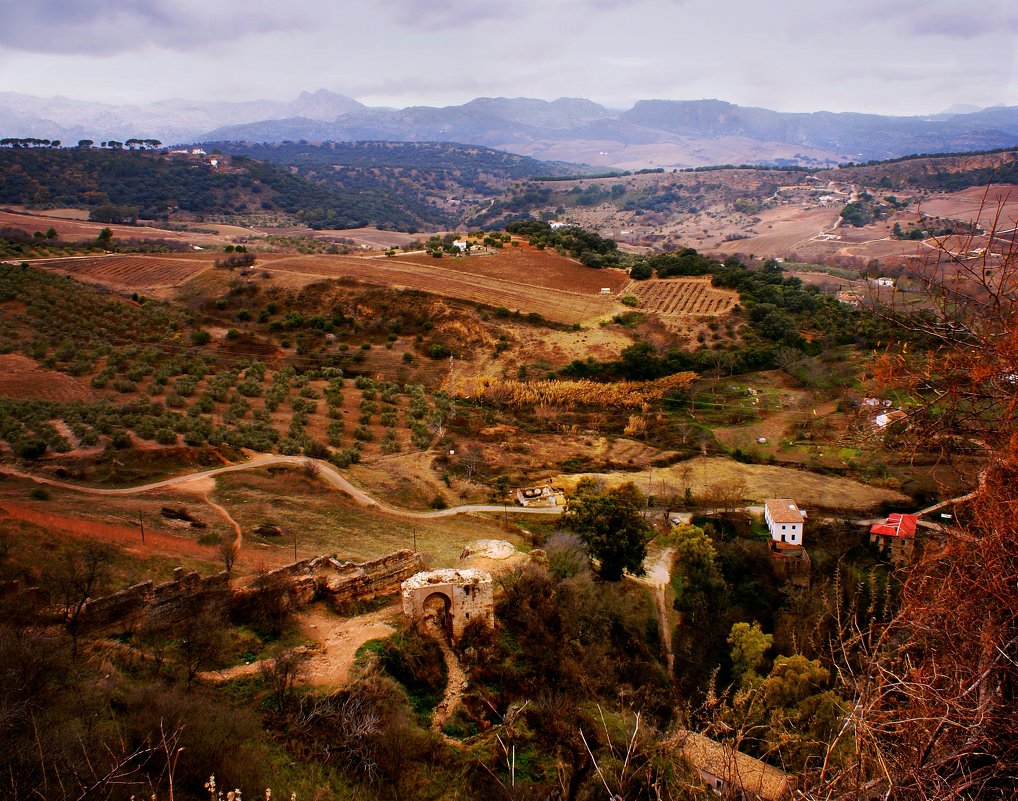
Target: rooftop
{"points": [[784, 510], [897, 525], [740, 770]]}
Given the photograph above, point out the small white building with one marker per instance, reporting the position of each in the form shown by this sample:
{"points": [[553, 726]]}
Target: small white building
{"points": [[882, 281], [784, 520], [460, 245]]}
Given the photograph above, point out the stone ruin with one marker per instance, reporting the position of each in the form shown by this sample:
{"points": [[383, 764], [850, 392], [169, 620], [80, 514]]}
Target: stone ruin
{"points": [[325, 577], [449, 599]]}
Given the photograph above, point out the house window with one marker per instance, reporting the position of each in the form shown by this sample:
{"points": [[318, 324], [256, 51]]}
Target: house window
{"points": [[783, 527], [782, 537]]}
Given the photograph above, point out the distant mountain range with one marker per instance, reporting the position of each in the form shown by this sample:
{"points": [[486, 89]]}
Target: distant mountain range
{"points": [[653, 133]]}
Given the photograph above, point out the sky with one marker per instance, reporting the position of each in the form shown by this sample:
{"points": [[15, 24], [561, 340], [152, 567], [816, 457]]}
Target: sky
{"points": [[879, 56]]}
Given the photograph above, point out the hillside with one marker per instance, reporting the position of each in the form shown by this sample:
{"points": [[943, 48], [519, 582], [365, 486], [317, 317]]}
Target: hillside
{"points": [[855, 216], [156, 185]]}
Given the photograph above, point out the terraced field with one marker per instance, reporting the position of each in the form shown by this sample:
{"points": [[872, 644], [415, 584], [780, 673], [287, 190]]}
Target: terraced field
{"points": [[682, 297]]}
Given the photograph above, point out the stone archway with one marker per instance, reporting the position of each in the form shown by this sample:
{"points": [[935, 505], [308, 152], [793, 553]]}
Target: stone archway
{"points": [[460, 595], [437, 612]]}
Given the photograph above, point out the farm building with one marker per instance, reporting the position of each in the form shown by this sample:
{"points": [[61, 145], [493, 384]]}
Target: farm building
{"points": [[731, 773], [853, 299], [784, 521], [460, 245], [539, 496], [884, 282], [897, 535]]}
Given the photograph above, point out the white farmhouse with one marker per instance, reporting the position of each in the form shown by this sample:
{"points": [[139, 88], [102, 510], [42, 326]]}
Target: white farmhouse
{"points": [[784, 520]]}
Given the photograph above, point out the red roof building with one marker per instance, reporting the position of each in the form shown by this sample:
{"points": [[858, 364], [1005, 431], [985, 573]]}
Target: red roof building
{"points": [[896, 535]]}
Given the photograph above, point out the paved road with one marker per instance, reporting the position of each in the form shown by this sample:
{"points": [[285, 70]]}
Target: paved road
{"points": [[325, 471]]}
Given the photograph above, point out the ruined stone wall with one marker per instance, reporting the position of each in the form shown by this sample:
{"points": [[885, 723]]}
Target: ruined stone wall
{"points": [[167, 604], [170, 603]]}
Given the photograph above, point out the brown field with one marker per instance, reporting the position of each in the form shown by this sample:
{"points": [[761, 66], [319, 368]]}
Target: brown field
{"points": [[73, 230], [966, 205], [681, 297], [131, 272], [59, 214], [554, 287], [23, 378]]}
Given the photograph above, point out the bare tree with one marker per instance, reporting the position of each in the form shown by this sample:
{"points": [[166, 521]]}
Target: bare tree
{"points": [[282, 673]]}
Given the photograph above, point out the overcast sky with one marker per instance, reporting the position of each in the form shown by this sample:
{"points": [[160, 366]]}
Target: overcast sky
{"points": [[886, 56]]}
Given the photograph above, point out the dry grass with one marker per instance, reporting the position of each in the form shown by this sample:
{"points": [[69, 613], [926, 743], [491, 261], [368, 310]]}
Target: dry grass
{"points": [[761, 481], [618, 395]]}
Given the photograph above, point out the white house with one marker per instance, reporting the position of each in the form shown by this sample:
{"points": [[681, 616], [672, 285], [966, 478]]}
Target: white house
{"points": [[883, 281], [784, 520]]}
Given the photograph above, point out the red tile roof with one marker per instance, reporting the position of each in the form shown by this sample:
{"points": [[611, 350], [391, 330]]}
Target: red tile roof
{"points": [[897, 525]]}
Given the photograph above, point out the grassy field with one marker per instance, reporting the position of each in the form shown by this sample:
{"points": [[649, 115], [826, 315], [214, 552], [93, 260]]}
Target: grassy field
{"points": [[702, 474], [327, 521]]}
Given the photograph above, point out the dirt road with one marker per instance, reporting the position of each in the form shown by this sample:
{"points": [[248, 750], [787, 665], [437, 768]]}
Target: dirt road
{"points": [[325, 472]]}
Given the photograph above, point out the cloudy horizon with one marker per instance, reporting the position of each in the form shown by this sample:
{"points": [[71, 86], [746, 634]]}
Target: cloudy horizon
{"points": [[915, 58]]}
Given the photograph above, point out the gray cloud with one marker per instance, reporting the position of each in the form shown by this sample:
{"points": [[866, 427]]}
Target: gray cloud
{"points": [[116, 26]]}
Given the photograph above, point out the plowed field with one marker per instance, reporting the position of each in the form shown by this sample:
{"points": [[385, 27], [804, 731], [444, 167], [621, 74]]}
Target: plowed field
{"points": [[524, 279], [22, 378], [682, 297], [131, 272]]}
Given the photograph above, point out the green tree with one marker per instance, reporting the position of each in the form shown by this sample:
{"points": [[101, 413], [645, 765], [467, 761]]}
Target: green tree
{"points": [[749, 644], [611, 525], [698, 581], [793, 712]]}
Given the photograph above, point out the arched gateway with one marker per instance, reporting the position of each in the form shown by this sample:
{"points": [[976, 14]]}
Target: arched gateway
{"points": [[449, 598]]}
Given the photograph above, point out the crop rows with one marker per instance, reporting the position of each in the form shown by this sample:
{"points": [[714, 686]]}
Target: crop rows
{"points": [[129, 272], [683, 296]]}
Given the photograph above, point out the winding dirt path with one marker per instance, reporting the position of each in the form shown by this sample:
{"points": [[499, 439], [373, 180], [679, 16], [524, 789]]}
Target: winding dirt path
{"points": [[324, 471], [657, 577], [331, 659]]}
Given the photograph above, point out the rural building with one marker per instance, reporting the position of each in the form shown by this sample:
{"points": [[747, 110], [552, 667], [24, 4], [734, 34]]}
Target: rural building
{"points": [[460, 244], [884, 282], [449, 599], [853, 299], [731, 773], [556, 225], [784, 520], [897, 535], [539, 496]]}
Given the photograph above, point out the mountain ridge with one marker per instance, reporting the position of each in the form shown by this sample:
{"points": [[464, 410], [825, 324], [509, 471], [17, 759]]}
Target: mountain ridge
{"points": [[652, 133]]}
